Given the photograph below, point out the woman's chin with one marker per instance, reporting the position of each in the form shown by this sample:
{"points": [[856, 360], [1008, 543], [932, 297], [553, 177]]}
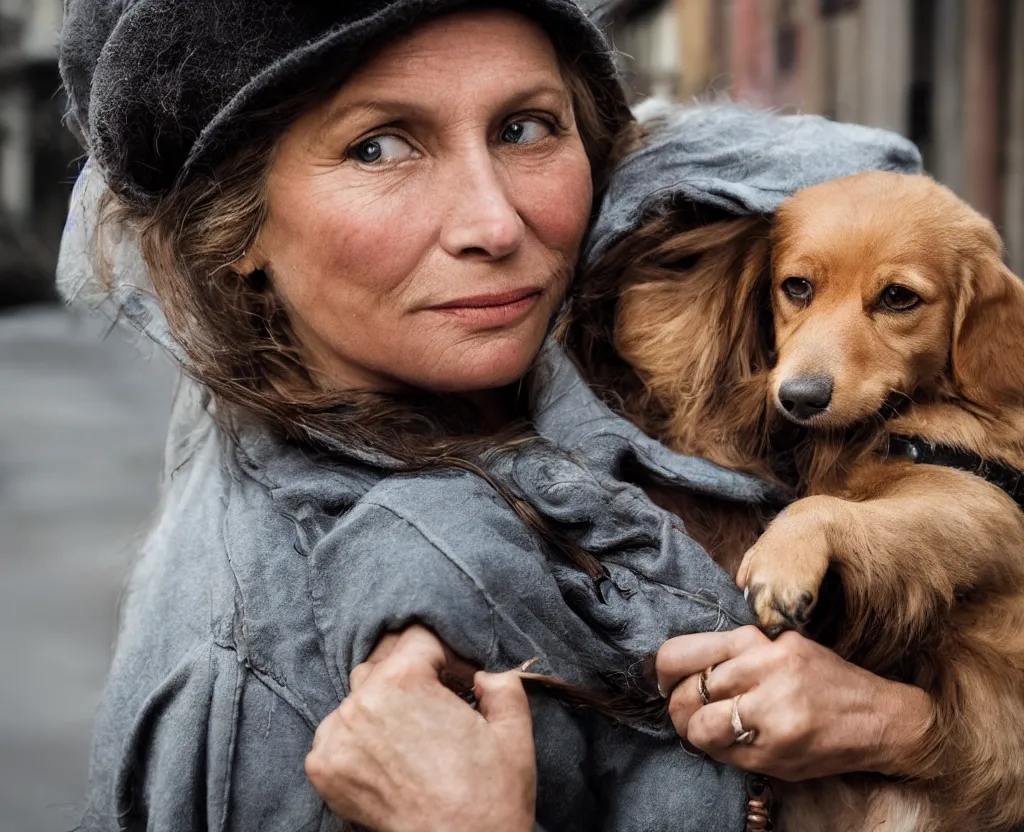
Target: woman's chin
{"points": [[484, 366]]}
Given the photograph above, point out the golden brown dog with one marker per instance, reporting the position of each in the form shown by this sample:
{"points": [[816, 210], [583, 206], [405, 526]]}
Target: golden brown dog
{"points": [[872, 320]]}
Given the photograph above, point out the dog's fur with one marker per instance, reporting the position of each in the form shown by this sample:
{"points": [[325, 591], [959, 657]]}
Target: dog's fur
{"points": [[930, 559]]}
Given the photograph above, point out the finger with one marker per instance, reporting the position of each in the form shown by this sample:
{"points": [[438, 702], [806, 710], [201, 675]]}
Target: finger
{"points": [[711, 727], [683, 703], [383, 648], [721, 682], [688, 655], [735, 676], [418, 653], [360, 673], [381, 652], [328, 728], [502, 701]]}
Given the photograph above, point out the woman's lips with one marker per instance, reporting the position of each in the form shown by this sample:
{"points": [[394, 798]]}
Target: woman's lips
{"points": [[492, 310]]}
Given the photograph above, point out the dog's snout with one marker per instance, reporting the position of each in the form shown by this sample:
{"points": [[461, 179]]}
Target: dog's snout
{"points": [[805, 396]]}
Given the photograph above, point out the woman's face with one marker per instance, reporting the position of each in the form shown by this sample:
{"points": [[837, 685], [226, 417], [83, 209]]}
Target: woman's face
{"points": [[423, 224]]}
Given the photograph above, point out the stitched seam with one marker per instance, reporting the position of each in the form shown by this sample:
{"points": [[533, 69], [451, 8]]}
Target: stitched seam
{"points": [[264, 674], [287, 695], [243, 624], [338, 679], [229, 764]]}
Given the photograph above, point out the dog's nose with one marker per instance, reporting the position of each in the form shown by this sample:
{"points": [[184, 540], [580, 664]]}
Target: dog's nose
{"points": [[806, 396]]}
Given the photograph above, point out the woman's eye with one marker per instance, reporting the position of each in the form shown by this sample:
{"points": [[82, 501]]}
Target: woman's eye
{"points": [[525, 131], [898, 298], [798, 289], [381, 150]]}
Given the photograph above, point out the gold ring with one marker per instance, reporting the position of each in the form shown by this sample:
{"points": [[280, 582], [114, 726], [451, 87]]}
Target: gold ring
{"points": [[702, 685], [741, 735]]}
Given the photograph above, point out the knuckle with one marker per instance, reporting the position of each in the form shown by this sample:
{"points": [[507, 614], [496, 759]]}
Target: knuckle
{"points": [[747, 638], [791, 641], [695, 730], [679, 708], [664, 657], [792, 729], [681, 712], [330, 724], [316, 767], [353, 709], [402, 664], [785, 644], [419, 641], [346, 708], [793, 653], [362, 667]]}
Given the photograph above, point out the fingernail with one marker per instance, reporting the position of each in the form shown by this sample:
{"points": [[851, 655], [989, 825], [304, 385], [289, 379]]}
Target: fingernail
{"points": [[661, 693], [746, 593]]}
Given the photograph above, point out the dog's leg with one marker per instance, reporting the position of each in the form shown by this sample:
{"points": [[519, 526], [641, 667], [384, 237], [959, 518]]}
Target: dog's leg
{"points": [[908, 541], [932, 567]]}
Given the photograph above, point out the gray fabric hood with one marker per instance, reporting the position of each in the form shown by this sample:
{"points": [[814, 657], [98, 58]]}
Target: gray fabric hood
{"points": [[738, 159], [105, 272]]}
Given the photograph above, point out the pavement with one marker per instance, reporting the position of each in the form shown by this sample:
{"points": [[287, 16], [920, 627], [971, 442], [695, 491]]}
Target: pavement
{"points": [[82, 423]]}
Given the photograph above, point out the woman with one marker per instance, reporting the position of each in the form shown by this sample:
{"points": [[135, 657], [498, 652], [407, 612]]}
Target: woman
{"points": [[358, 225]]}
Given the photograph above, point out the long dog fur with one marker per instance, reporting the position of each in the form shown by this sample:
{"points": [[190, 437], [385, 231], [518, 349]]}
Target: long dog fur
{"points": [[930, 560]]}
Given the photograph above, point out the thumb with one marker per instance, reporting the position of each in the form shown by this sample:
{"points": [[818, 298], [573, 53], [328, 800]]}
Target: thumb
{"points": [[502, 701]]}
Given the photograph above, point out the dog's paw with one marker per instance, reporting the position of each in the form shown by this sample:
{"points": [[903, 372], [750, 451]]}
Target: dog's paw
{"points": [[780, 608], [783, 572]]}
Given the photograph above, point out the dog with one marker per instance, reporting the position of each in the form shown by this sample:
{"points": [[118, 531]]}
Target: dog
{"points": [[865, 348]]}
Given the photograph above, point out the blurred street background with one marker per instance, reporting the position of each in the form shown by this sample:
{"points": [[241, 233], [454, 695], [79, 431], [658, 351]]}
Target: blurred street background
{"points": [[83, 412], [949, 74]]}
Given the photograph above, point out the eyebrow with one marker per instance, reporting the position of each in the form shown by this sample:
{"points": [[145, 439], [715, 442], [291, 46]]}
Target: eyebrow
{"points": [[402, 108]]}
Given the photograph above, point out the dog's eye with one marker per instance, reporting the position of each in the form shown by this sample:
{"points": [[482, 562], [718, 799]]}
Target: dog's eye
{"points": [[798, 289], [899, 298]]}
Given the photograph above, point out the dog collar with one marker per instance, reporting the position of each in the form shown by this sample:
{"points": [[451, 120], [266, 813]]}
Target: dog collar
{"points": [[921, 451]]}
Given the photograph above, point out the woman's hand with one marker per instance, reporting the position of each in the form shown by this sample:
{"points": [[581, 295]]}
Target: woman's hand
{"points": [[403, 752], [813, 713]]}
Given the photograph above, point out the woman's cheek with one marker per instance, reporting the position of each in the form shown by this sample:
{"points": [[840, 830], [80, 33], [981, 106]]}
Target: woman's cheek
{"points": [[556, 201], [373, 243]]}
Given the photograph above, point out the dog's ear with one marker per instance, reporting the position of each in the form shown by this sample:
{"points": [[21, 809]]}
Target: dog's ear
{"points": [[691, 323], [987, 355], [692, 315]]}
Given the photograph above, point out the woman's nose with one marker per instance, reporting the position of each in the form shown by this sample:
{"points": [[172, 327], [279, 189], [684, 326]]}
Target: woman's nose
{"points": [[482, 220]]}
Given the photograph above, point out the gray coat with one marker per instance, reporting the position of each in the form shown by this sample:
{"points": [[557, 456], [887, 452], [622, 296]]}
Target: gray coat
{"points": [[270, 571]]}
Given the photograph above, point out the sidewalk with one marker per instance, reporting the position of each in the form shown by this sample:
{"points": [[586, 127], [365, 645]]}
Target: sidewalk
{"points": [[82, 423]]}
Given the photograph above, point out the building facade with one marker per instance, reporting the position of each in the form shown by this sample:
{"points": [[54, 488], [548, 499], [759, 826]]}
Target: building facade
{"points": [[947, 73], [37, 154]]}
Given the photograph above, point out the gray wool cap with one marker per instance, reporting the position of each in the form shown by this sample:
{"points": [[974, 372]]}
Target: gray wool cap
{"points": [[161, 88]]}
